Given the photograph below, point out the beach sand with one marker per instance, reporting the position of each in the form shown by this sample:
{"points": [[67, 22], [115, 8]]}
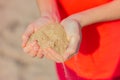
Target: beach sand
{"points": [[15, 15]]}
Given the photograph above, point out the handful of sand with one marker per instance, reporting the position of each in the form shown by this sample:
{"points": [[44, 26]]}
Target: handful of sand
{"points": [[53, 36]]}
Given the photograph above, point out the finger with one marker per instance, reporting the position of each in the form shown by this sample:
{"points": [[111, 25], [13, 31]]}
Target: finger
{"points": [[34, 50], [24, 40], [56, 56], [73, 47], [48, 56], [45, 53], [27, 35], [27, 49], [39, 54], [52, 57]]}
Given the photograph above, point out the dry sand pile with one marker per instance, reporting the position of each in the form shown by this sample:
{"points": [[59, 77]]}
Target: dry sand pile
{"points": [[53, 36]]}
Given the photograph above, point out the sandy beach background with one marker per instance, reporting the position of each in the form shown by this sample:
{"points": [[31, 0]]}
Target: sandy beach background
{"points": [[15, 15]]}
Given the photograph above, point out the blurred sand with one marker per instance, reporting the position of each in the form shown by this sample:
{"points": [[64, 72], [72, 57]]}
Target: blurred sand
{"points": [[15, 15]]}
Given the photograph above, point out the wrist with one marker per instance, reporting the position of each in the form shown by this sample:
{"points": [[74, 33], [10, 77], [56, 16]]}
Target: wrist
{"points": [[53, 16], [77, 19], [73, 18]]}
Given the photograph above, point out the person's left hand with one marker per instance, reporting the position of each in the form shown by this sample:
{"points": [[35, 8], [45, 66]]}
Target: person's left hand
{"points": [[73, 31]]}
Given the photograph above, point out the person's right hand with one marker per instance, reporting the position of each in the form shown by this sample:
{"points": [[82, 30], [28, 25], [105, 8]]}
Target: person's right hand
{"points": [[33, 48]]}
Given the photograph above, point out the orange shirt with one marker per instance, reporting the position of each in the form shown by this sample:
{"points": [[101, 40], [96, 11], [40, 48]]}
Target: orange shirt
{"points": [[99, 54]]}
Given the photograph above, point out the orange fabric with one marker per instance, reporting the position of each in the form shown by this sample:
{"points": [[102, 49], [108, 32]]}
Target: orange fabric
{"points": [[73, 6], [99, 54]]}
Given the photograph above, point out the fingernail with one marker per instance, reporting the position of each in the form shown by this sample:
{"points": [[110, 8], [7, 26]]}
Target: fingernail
{"points": [[23, 45]]}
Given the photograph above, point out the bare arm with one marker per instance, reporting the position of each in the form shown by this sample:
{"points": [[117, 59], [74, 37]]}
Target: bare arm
{"points": [[106, 12], [48, 8], [49, 14]]}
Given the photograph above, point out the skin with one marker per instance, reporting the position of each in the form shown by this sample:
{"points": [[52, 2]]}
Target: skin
{"points": [[71, 24]]}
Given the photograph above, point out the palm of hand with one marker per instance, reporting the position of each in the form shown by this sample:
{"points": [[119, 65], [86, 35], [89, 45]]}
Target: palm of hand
{"points": [[33, 48], [73, 31]]}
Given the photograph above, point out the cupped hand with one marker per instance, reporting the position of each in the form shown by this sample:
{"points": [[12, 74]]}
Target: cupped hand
{"points": [[73, 31], [33, 48]]}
